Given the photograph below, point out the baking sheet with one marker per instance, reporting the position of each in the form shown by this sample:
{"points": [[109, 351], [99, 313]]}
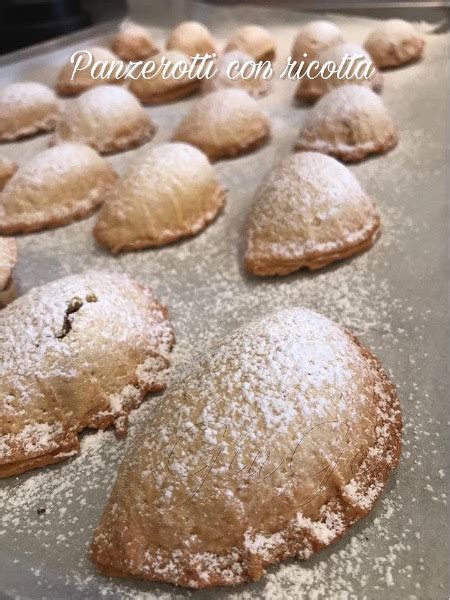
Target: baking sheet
{"points": [[394, 297]]}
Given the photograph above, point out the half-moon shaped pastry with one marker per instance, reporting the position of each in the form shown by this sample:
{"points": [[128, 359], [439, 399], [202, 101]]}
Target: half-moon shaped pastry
{"points": [[8, 259], [7, 170], [66, 86], [57, 186], [157, 89], [133, 42], [225, 123], [309, 212], [108, 118], [349, 122], [314, 37], [171, 193], [281, 437], [255, 41], [78, 352], [355, 65], [235, 69], [394, 42], [26, 108], [191, 38]]}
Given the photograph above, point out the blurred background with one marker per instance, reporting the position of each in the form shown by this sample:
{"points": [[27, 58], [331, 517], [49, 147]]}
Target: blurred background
{"points": [[26, 22]]}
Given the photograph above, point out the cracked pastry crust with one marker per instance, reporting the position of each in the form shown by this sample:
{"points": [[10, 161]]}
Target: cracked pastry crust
{"points": [[309, 212], [170, 193], [191, 38], [59, 185], [27, 108], [8, 260], [309, 90], [281, 437], [349, 122], [7, 170], [79, 352], [393, 43], [253, 40], [66, 86], [225, 123], [108, 118], [158, 90], [133, 42]]}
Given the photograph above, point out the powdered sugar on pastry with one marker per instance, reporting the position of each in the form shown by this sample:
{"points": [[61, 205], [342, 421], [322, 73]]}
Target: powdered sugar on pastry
{"points": [[79, 352], [309, 211], [224, 123], [26, 108], [280, 437], [133, 42], [108, 118], [55, 187], [348, 122], [170, 193], [311, 89], [229, 65], [395, 42]]}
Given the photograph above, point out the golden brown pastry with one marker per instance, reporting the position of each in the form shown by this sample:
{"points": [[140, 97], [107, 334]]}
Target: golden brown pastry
{"points": [[171, 193], [394, 42], [133, 42], [78, 352], [57, 186], [310, 89], [83, 80], [349, 122], [255, 41], [225, 123], [26, 108], [314, 37], [7, 170], [191, 38], [108, 118], [310, 211], [230, 75], [8, 259], [281, 437], [157, 90]]}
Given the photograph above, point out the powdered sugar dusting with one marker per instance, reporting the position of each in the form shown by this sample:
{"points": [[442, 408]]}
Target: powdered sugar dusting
{"points": [[389, 296], [54, 335], [27, 94]]}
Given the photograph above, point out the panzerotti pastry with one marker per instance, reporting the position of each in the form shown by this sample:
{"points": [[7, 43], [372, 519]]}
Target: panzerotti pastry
{"points": [[348, 63], [394, 42], [310, 211], [314, 37], [83, 79], [255, 41], [7, 170], [225, 123], [8, 259], [191, 38], [279, 439], [236, 69], [170, 79], [79, 352], [133, 42], [349, 122], [108, 118], [170, 193], [26, 108], [57, 186]]}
